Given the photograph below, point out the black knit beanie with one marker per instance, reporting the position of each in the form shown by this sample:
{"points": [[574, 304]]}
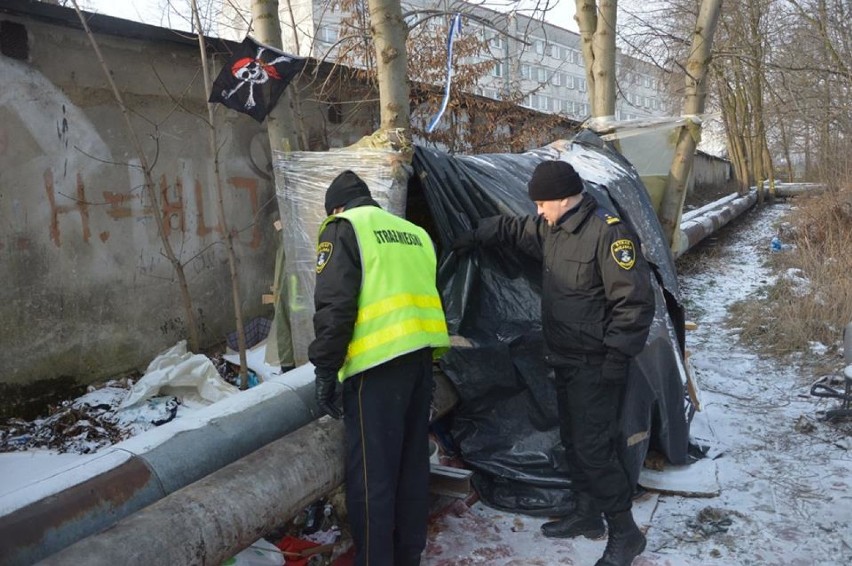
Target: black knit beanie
{"points": [[346, 187], [554, 180]]}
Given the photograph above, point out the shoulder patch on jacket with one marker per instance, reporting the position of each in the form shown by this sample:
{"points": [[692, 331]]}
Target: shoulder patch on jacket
{"points": [[324, 250], [606, 216], [623, 253]]}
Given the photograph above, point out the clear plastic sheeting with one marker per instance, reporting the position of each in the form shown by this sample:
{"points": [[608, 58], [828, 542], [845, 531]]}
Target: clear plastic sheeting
{"points": [[649, 144], [506, 422], [301, 179]]}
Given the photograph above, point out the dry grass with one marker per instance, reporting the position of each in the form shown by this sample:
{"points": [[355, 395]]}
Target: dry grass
{"points": [[812, 298]]}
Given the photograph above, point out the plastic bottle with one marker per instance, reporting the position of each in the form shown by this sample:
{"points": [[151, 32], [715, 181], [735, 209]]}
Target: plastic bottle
{"points": [[327, 517], [775, 244], [252, 379]]}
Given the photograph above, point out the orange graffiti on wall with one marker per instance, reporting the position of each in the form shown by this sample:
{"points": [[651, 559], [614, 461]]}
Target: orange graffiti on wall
{"points": [[120, 206], [79, 205]]}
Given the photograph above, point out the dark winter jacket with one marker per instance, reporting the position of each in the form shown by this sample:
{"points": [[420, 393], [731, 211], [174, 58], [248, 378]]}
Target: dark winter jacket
{"points": [[596, 284]]}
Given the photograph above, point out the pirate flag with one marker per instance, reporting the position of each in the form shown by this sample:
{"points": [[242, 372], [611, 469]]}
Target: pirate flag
{"points": [[254, 78]]}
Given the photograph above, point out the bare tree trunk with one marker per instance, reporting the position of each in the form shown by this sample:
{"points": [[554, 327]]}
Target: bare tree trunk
{"points": [[150, 190], [785, 143], [597, 32], [688, 136], [728, 102], [769, 171], [220, 205], [281, 127], [756, 79], [281, 123], [389, 32]]}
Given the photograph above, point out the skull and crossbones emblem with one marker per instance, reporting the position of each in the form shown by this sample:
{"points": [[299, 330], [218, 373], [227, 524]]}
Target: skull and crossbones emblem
{"points": [[253, 71]]}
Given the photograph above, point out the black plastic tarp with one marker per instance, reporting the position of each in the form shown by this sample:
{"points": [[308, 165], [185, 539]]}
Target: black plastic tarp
{"points": [[506, 421]]}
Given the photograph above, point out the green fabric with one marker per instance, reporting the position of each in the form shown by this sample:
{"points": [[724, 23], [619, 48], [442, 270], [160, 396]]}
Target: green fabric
{"points": [[279, 346]]}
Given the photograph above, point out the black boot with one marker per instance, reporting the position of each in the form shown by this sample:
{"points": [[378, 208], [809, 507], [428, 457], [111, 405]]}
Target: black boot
{"points": [[625, 543], [586, 520]]}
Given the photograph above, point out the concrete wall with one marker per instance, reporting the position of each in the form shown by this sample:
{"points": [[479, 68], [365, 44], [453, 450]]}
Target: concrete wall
{"points": [[86, 289], [710, 171]]}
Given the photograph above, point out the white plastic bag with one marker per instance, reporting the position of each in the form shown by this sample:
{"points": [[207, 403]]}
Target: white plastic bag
{"points": [[261, 553]]}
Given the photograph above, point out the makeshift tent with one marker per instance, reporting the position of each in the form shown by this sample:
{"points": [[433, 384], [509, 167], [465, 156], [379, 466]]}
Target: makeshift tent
{"points": [[506, 422]]}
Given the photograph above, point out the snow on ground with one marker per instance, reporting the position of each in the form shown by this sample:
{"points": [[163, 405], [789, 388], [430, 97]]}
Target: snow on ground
{"points": [[785, 476]]}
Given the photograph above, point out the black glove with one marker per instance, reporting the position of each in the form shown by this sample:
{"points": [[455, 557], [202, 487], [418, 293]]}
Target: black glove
{"points": [[326, 393], [615, 367], [465, 242]]}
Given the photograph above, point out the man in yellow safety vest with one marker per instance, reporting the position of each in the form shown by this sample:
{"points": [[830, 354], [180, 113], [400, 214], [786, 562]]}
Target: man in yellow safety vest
{"points": [[378, 324]]}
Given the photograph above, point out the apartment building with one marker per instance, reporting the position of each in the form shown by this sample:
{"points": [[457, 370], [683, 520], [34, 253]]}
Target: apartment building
{"points": [[536, 64]]}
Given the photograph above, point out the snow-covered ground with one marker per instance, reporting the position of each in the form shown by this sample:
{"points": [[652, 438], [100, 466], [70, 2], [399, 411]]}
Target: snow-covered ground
{"points": [[784, 476]]}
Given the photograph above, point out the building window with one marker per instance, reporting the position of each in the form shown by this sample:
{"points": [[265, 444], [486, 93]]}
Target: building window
{"points": [[498, 70], [541, 74], [539, 46], [525, 71], [335, 114], [581, 84], [570, 81], [496, 42], [556, 79], [327, 34], [14, 40]]}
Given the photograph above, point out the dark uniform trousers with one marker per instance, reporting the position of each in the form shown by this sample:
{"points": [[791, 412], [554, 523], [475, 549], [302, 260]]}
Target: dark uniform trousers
{"points": [[589, 409], [386, 418]]}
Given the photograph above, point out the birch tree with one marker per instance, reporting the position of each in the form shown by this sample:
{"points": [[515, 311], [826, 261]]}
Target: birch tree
{"points": [[227, 235], [285, 134], [389, 32], [689, 134], [597, 22]]}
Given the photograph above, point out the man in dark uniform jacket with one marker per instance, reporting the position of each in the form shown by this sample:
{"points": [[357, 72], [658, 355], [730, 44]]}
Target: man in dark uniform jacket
{"points": [[378, 324], [597, 308]]}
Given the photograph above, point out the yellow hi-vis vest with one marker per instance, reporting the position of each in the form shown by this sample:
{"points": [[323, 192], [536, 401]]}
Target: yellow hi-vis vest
{"points": [[399, 309]]}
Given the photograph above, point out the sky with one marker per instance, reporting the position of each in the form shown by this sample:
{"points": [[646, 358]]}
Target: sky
{"points": [[147, 11], [150, 11]]}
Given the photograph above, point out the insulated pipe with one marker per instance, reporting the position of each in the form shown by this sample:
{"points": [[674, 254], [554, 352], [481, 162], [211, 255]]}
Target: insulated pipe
{"points": [[47, 515], [216, 517], [700, 223], [786, 190]]}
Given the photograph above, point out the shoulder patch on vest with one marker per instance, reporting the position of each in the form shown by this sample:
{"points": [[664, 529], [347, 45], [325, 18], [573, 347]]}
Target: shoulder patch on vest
{"points": [[324, 250], [623, 253], [606, 216]]}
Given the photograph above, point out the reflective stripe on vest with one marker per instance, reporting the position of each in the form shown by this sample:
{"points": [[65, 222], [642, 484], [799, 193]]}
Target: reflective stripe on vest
{"points": [[399, 309]]}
